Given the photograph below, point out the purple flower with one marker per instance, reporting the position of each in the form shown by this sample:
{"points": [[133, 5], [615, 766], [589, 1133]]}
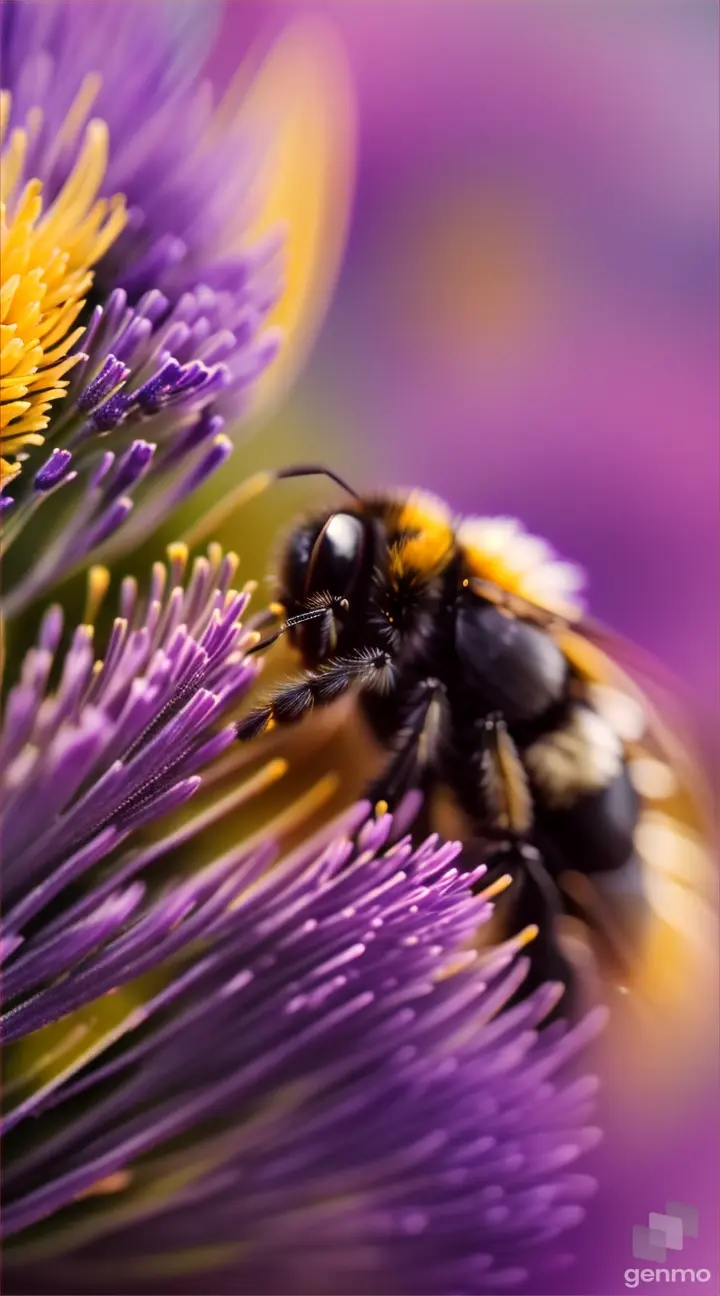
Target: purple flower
{"points": [[182, 292], [320, 1097], [117, 744], [172, 301], [141, 426], [305, 1084], [239, 1070], [135, 65]]}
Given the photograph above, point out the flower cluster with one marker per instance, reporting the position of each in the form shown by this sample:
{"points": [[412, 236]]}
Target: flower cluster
{"points": [[313, 1103], [120, 740], [185, 181], [152, 362], [48, 257], [244, 1070]]}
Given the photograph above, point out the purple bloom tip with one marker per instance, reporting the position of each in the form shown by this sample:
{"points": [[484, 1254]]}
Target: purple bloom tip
{"points": [[53, 470]]}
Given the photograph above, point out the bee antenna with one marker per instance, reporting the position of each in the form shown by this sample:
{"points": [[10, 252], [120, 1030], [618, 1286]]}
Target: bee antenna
{"points": [[317, 470], [247, 490]]}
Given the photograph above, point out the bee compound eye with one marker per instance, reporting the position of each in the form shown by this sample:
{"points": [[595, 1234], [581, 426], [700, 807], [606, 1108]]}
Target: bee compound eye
{"points": [[337, 557]]}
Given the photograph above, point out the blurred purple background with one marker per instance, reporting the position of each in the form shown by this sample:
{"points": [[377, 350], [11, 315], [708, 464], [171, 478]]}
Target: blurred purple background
{"points": [[527, 316]]}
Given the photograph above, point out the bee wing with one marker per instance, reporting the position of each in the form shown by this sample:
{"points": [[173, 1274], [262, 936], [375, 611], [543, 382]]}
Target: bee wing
{"points": [[640, 700], [669, 956]]}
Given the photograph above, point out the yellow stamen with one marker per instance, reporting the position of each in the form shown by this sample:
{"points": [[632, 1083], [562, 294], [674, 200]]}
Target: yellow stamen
{"points": [[178, 554], [240, 795], [177, 551], [457, 962], [46, 271], [381, 808], [112, 1183], [214, 553], [269, 774], [497, 887], [98, 582], [76, 116], [527, 935]]}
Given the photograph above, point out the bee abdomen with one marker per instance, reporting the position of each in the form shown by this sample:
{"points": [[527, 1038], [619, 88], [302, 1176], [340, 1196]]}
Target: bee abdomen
{"points": [[581, 755], [586, 805]]}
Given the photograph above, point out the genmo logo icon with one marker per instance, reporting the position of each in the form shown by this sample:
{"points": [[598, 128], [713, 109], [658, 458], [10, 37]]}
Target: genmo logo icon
{"points": [[665, 1233]]}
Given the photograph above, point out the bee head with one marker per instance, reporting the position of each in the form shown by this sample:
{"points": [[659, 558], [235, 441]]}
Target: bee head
{"points": [[327, 564]]}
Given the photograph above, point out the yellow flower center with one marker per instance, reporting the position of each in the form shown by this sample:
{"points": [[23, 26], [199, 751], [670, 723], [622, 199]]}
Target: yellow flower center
{"points": [[46, 259]]}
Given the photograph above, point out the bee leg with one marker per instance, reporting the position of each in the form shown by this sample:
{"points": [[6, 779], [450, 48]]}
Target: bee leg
{"points": [[407, 766], [370, 670], [504, 795], [399, 775], [534, 900]]}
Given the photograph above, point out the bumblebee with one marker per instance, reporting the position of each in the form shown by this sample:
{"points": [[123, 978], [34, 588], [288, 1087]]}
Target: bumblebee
{"points": [[466, 645]]}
